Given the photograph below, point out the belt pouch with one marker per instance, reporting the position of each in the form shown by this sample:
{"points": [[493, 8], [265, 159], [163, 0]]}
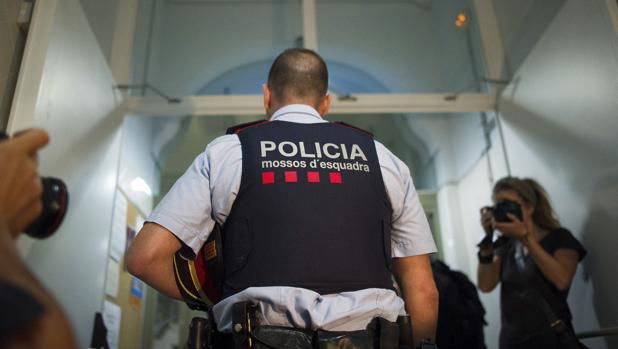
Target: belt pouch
{"points": [[276, 337], [344, 340]]}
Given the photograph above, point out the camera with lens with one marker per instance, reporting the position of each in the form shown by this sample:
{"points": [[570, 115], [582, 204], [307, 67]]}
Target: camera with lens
{"points": [[500, 210], [55, 200]]}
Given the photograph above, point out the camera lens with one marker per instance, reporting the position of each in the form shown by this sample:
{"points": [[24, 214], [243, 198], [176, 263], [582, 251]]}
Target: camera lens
{"points": [[504, 207], [55, 201]]}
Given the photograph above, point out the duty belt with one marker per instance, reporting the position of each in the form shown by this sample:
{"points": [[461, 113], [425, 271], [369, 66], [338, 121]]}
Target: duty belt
{"points": [[248, 334], [380, 333]]}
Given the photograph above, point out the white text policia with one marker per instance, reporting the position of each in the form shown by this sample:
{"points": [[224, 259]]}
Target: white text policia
{"points": [[317, 150], [322, 155]]}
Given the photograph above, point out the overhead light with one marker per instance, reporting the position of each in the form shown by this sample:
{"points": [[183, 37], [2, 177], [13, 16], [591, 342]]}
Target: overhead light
{"points": [[139, 185], [461, 21]]}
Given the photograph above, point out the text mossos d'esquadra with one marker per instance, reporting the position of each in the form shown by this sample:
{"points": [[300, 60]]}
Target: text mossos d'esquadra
{"points": [[329, 156]]}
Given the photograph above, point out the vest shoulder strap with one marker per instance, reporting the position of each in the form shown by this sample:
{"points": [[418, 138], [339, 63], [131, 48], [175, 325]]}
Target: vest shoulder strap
{"points": [[344, 124], [241, 127]]}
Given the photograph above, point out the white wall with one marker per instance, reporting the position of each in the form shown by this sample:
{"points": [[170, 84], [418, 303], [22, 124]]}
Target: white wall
{"points": [[459, 201], [137, 161], [521, 25], [560, 127], [102, 18], [75, 102], [560, 121]]}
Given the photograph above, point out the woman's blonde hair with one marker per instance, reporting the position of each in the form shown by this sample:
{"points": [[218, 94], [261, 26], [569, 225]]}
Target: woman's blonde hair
{"points": [[534, 194]]}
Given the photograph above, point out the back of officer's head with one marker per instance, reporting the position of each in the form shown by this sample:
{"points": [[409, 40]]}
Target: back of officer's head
{"points": [[298, 74]]}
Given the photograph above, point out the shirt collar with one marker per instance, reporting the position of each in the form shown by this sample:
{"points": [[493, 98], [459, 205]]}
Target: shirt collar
{"points": [[300, 113]]}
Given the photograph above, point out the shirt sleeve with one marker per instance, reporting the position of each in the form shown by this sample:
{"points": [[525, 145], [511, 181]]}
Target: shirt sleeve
{"points": [[203, 195], [18, 309], [410, 233], [563, 239]]}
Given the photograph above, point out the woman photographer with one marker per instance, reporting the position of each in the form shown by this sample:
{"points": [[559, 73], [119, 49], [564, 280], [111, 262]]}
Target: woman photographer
{"points": [[535, 260]]}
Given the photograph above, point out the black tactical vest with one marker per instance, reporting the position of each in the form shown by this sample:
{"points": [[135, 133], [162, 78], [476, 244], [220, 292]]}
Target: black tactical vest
{"points": [[311, 211]]}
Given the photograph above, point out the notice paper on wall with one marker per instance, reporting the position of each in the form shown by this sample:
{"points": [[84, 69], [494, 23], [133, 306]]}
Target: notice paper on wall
{"points": [[111, 317], [112, 279], [119, 227], [139, 223], [137, 293]]}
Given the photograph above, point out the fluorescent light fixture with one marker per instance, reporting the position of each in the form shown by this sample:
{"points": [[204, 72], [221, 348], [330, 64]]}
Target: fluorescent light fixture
{"points": [[139, 185]]}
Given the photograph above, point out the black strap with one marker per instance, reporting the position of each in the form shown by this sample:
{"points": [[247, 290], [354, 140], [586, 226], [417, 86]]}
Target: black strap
{"points": [[559, 326], [344, 124], [406, 340], [554, 321], [244, 320], [561, 329], [485, 259], [199, 334], [241, 127]]}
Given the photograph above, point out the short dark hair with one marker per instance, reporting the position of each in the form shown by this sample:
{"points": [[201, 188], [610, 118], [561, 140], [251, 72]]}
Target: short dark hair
{"points": [[298, 73]]}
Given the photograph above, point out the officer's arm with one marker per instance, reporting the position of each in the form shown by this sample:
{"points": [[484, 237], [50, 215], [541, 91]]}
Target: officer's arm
{"points": [[415, 278], [150, 258]]}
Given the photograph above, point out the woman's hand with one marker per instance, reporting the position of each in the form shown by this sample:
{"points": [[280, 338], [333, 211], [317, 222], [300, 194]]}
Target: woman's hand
{"points": [[515, 228], [487, 220]]}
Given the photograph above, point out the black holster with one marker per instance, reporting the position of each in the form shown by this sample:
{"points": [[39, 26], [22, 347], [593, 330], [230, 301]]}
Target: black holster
{"points": [[203, 334], [199, 334]]}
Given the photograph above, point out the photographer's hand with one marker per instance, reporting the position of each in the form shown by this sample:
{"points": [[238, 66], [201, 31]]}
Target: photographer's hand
{"points": [[515, 228], [487, 221], [20, 185]]}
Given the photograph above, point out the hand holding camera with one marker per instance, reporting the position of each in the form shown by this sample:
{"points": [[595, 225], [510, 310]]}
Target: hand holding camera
{"points": [[20, 186], [487, 220], [514, 228], [507, 217], [28, 203]]}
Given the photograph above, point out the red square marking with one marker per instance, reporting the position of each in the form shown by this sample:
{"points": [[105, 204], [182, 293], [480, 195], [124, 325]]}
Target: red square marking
{"points": [[335, 177], [313, 177], [291, 177], [268, 177]]}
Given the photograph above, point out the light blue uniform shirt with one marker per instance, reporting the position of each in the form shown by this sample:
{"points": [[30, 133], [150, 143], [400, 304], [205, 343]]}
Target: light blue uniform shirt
{"points": [[205, 194]]}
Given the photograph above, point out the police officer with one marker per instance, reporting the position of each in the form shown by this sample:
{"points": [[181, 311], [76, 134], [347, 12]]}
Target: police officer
{"points": [[316, 217]]}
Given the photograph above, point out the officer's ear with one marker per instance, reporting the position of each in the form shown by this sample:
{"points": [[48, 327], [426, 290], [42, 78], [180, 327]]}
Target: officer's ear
{"points": [[324, 105], [267, 99]]}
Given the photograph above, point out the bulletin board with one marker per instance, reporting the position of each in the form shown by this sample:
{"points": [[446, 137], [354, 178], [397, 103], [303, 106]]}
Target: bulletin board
{"points": [[130, 291]]}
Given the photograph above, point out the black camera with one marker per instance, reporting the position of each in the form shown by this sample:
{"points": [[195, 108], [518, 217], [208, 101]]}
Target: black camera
{"points": [[55, 200], [500, 210]]}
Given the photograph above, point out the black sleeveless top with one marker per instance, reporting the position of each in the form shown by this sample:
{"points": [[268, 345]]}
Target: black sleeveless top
{"points": [[524, 325]]}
